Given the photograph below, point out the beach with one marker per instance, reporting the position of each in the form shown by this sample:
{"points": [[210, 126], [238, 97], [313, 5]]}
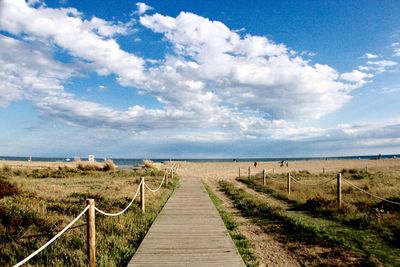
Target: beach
{"points": [[228, 170]]}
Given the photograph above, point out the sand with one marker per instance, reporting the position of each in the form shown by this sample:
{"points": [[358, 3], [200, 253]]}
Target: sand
{"points": [[226, 170], [229, 170]]}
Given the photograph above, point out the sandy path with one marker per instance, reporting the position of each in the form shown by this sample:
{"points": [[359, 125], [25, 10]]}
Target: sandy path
{"points": [[229, 170], [268, 251]]}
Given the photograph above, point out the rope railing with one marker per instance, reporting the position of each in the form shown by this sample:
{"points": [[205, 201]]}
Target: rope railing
{"points": [[126, 208], [92, 208], [372, 195], [155, 190], [311, 184], [276, 180], [53, 239], [290, 178]]}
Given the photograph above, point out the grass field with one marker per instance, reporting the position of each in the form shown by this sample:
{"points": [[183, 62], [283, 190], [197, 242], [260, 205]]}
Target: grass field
{"points": [[365, 225], [36, 204], [241, 243]]}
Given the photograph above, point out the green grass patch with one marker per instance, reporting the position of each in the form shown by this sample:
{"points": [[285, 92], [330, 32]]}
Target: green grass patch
{"points": [[242, 244], [301, 226]]}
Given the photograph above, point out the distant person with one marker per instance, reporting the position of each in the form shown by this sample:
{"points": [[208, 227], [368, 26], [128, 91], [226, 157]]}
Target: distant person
{"points": [[379, 156], [287, 164], [255, 164]]}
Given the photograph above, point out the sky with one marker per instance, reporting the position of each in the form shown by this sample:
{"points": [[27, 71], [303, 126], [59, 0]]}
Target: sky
{"points": [[199, 79]]}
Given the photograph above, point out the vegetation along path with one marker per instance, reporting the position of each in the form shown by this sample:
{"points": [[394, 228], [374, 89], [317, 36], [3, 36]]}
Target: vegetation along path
{"points": [[367, 244], [188, 232]]}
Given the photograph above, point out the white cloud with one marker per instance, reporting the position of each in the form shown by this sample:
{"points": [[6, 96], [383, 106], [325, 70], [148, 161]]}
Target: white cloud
{"points": [[249, 73], [234, 86], [27, 72], [102, 88], [378, 66], [356, 76], [370, 56], [88, 40], [389, 90], [396, 49], [106, 28], [142, 8]]}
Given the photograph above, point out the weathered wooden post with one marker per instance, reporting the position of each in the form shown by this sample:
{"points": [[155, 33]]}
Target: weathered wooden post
{"points": [[366, 168], [166, 177], [249, 172], [263, 177], [142, 196], [91, 233], [273, 171], [288, 183], [339, 190], [239, 172], [172, 173], [323, 171]]}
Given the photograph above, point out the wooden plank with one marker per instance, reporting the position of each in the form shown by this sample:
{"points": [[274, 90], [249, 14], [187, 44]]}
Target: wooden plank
{"points": [[188, 232]]}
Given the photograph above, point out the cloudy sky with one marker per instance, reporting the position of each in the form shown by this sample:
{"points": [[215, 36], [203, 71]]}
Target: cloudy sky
{"points": [[175, 79]]}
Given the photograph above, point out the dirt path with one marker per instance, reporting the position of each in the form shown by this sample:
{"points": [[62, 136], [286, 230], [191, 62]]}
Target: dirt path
{"points": [[268, 250], [271, 246]]}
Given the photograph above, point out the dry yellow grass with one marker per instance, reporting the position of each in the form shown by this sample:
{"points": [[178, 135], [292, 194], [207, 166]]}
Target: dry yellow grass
{"points": [[42, 206]]}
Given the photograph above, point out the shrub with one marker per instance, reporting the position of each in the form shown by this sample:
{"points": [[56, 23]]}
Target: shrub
{"points": [[6, 169], [150, 164], [88, 167], [108, 165], [7, 189]]}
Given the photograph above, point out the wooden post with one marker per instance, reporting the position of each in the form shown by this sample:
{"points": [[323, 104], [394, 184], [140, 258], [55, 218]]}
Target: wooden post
{"points": [[273, 171], [366, 168], [91, 233], [263, 177], [166, 177], [323, 171], [142, 196], [249, 172], [288, 183], [239, 172], [339, 190], [172, 173]]}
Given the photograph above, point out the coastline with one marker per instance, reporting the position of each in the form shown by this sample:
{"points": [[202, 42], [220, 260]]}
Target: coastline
{"points": [[228, 170], [224, 169]]}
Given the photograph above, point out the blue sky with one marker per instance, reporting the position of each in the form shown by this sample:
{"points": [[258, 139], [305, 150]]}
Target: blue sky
{"points": [[176, 79]]}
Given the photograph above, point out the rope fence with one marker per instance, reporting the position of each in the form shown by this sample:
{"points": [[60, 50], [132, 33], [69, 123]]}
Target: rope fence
{"points": [[155, 190], [90, 210], [127, 207], [53, 239], [339, 179], [311, 184], [370, 194]]}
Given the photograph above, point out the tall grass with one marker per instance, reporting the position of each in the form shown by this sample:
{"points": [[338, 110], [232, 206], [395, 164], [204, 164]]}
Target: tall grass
{"points": [[355, 247], [358, 210], [33, 210]]}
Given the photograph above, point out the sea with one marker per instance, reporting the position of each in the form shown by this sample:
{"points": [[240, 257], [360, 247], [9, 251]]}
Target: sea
{"points": [[130, 163]]}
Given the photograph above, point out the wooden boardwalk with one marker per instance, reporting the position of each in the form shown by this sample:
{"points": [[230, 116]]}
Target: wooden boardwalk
{"points": [[188, 232]]}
